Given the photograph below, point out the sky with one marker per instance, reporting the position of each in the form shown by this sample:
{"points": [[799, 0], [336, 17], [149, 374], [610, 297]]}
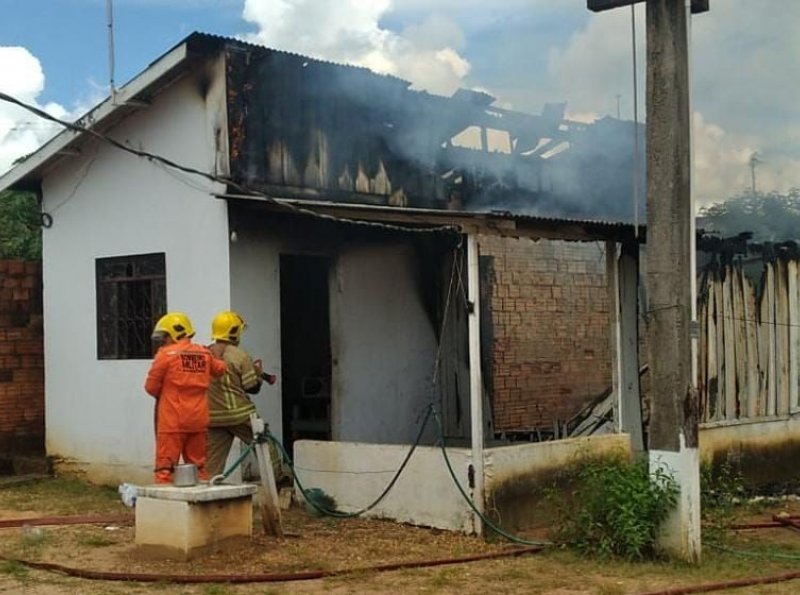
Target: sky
{"points": [[745, 62]]}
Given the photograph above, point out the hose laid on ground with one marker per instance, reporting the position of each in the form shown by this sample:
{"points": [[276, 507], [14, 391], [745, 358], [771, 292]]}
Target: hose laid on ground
{"points": [[66, 520], [430, 410], [725, 585], [737, 583], [469, 501], [346, 515], [141, 577]]}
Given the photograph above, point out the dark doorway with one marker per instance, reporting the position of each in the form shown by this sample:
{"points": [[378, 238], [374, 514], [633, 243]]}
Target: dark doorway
{"points": [[305, 348]]}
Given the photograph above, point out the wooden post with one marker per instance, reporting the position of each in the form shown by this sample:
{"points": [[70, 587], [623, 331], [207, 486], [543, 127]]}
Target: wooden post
{"points": [[270, 506], [711, 387], [772, 370], [719, 317], [623, 282], [751, 323], [612, 285], [782, 337], [794, 335], [670, 277], [475, 380], [730, 345], [629, 341]]}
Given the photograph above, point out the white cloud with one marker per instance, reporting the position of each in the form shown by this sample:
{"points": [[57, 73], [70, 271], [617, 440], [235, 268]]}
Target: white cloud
{"points": [[20, 131], [745, 88], [596, 65], [350, 31]]}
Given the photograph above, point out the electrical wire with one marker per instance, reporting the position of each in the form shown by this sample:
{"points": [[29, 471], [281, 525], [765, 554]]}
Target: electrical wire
{"points": [[635, 127], [154, 157], [438, 357], [86, 169], [766, 323]]}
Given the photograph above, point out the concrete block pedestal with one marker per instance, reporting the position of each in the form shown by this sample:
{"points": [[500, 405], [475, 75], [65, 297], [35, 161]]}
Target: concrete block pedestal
{"points": [[184, 523]]}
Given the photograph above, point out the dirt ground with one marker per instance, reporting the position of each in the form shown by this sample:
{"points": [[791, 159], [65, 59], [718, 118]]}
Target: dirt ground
{"points": [[331, 544]]}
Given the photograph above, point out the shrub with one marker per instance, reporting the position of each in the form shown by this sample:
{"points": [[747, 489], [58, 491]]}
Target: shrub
{"points": [[616, 507], [721, 489]]}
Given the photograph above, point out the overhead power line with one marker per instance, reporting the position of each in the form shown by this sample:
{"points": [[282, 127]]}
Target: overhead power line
{"points": [[160, 159]]}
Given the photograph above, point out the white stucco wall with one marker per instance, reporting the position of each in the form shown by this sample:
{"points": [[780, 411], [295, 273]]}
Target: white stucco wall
{"points": [[736, 436], [355, 474], [110, 203], [382, 342], [383, 345], [256, 295], [506, 463]]}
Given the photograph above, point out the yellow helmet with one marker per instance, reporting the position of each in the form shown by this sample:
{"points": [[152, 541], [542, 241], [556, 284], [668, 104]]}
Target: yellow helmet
{"points": [[227, 326], [176, 324]]}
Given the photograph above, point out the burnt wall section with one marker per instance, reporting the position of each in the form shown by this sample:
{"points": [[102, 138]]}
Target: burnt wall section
{"points": [[304, 128], [21, 359], [749, 315], [551, 342], [320, 130]]}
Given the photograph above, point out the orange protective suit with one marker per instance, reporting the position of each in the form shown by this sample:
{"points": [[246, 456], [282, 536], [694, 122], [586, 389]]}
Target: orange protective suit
{"points": [[178, 379]]}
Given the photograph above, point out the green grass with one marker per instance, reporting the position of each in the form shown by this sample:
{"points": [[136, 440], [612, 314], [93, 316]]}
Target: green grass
{"points": [[444, 578], [15, 569], [61, 496], [94, 541], [217, 590]]}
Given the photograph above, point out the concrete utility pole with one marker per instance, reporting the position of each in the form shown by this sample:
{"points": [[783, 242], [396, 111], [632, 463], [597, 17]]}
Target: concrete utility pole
{"points": [[674, 413], [673, 440]]}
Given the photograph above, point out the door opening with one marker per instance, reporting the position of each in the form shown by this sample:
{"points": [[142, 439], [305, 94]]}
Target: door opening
{"points": [[305, 348]]}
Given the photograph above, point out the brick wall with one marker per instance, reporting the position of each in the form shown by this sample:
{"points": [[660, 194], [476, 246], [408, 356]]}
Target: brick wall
{"points": [[550, 345], [21, 358]]}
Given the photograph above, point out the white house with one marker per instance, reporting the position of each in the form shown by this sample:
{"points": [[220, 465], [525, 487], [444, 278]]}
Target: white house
{"points": [[325, 216]]}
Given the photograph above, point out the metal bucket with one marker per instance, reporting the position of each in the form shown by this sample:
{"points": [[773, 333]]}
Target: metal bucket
{"points": [[184, 476]]}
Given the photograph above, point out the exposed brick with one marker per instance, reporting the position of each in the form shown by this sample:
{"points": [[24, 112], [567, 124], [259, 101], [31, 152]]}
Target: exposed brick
{"points": [[15, 267], [21, 347], [549, 310]]}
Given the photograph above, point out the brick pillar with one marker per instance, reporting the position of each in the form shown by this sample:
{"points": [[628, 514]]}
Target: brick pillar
{"points": [[21, 359]]}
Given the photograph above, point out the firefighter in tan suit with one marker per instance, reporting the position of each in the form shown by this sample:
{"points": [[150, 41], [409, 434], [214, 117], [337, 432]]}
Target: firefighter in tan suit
{"points": [[230, 406]]}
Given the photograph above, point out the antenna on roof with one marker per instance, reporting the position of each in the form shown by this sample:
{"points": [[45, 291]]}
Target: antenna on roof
{"points": [[110, 20], [754, 161]]}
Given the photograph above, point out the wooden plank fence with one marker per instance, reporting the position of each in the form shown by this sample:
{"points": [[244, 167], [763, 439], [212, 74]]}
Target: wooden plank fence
{"points": [[749, 341]]}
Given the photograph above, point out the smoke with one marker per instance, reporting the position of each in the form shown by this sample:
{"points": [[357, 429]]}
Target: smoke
{"points": [[744, 92], [528, 53], [425, 52], [746, 85], [21, 133]]}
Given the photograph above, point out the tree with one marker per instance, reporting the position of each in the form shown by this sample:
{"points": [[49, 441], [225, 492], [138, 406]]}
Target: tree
{"points": [[771, 217], [20, 226]]}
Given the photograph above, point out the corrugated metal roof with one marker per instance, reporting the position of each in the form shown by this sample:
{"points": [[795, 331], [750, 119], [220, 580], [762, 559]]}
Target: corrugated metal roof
{"points": [[524, 225], [198, 39], [544, 219], [195, 43]]}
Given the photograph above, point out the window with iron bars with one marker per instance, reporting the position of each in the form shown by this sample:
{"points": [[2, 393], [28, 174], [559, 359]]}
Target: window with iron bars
{"points": [[131, 297]]}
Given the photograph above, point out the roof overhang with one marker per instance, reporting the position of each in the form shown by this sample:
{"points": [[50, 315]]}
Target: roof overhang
{"points": [[492, 223], [134, 95]]}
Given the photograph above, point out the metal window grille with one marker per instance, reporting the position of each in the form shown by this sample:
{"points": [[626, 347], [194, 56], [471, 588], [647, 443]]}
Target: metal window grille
{"points": [[131, 297]]}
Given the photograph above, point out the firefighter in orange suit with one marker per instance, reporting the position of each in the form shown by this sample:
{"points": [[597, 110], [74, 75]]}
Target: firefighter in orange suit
{"points": [[178, 379]]}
